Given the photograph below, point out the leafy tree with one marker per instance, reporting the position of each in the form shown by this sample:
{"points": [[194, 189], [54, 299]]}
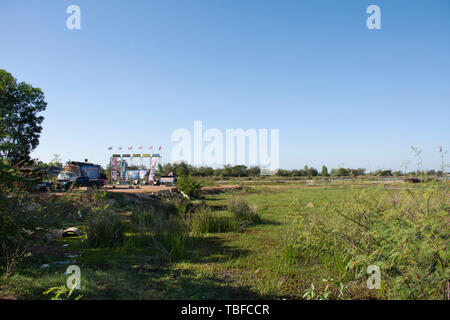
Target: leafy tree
{"points": [[254, 171], [324, 171], [312, 172], [20, 104], [181, 169], [343, 172], [239, 171]]}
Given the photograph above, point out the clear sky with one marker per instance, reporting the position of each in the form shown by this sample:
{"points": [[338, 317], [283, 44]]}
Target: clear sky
{"points": [[340, 94]]}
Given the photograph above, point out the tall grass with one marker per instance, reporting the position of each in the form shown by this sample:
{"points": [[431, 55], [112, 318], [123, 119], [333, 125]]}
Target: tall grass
{"points": [[163, 225], [204, 220], [170, 235], [405, 233], [105, 231], [242, 212]]}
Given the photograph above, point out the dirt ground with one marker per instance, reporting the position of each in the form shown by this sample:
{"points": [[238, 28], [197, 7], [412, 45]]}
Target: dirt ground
{"points": [[137, 189], [144, 189], [156, 189]]}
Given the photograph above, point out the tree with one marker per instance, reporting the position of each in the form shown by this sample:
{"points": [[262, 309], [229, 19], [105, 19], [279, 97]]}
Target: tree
{"points": [[181, 169], [324, 171], [312, 172], [239, 171], [254, 171], [56, 161], [20, 104]]}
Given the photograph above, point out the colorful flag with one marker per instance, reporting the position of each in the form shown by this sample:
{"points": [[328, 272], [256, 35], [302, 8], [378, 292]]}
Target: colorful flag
{"points": [[109, 148], [151, 148], [130, 148], [160, 148], [120, 148], [140, 148]]}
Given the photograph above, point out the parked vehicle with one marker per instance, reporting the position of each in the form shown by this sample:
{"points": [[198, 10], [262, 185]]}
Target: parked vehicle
{"points": [[79, 174], [167, 181], [83, 182]]}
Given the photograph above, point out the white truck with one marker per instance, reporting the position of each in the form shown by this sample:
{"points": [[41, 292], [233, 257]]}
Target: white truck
{"points": [[79, 174]]}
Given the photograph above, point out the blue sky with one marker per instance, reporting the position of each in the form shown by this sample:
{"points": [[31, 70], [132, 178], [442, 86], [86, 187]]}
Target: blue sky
{"points": [[340, 94]]}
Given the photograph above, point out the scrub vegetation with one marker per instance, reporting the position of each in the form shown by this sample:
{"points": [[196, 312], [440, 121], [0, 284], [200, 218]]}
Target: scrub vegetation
{"points": [[267, 240]]}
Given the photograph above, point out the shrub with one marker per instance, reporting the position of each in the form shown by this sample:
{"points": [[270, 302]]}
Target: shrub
{"points": [[100, 196], [20, 224], [189, 186], [242, 212], [104, 231], [68, 208]]}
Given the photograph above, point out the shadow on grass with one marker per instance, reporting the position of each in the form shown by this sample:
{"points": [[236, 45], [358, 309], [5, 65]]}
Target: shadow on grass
{"points": [[212, 249], [267, 222]]}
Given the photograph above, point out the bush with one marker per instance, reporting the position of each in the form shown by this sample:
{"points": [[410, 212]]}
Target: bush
{"points": [[21, 223], [242, 212], [105, 231], [99, 196], [189, 186]]}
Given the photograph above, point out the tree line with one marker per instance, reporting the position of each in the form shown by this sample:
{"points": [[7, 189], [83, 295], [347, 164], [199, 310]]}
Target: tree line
{"points": [[185, 169]]}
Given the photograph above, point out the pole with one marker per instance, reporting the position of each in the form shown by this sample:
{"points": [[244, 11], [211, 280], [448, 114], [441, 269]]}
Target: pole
{"points": [[110, 169]]}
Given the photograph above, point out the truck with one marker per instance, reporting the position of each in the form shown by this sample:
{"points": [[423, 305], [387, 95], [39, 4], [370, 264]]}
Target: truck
{"points": [[166, 180], [79, 174]]}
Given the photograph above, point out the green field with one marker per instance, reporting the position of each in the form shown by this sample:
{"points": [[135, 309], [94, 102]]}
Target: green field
{"points": [[311, 241]]}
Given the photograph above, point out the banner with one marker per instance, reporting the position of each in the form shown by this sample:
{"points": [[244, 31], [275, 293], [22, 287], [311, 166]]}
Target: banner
{"points": [[123, 167], [114, 169], [153, 163], [92, 172], [132, 175], [135, 174]]}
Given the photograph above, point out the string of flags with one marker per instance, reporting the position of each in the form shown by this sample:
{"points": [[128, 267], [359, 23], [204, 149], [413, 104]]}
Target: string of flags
{"points": [[139, 148], [139, 155]]}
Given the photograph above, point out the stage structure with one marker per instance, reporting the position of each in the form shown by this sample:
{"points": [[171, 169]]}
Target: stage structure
{"points": [[119, 166]]}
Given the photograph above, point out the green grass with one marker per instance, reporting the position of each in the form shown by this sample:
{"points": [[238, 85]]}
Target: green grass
{"points": [[209, 256]]}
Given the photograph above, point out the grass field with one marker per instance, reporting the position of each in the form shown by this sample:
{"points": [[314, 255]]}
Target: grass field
{"points": [[279, 255]]}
